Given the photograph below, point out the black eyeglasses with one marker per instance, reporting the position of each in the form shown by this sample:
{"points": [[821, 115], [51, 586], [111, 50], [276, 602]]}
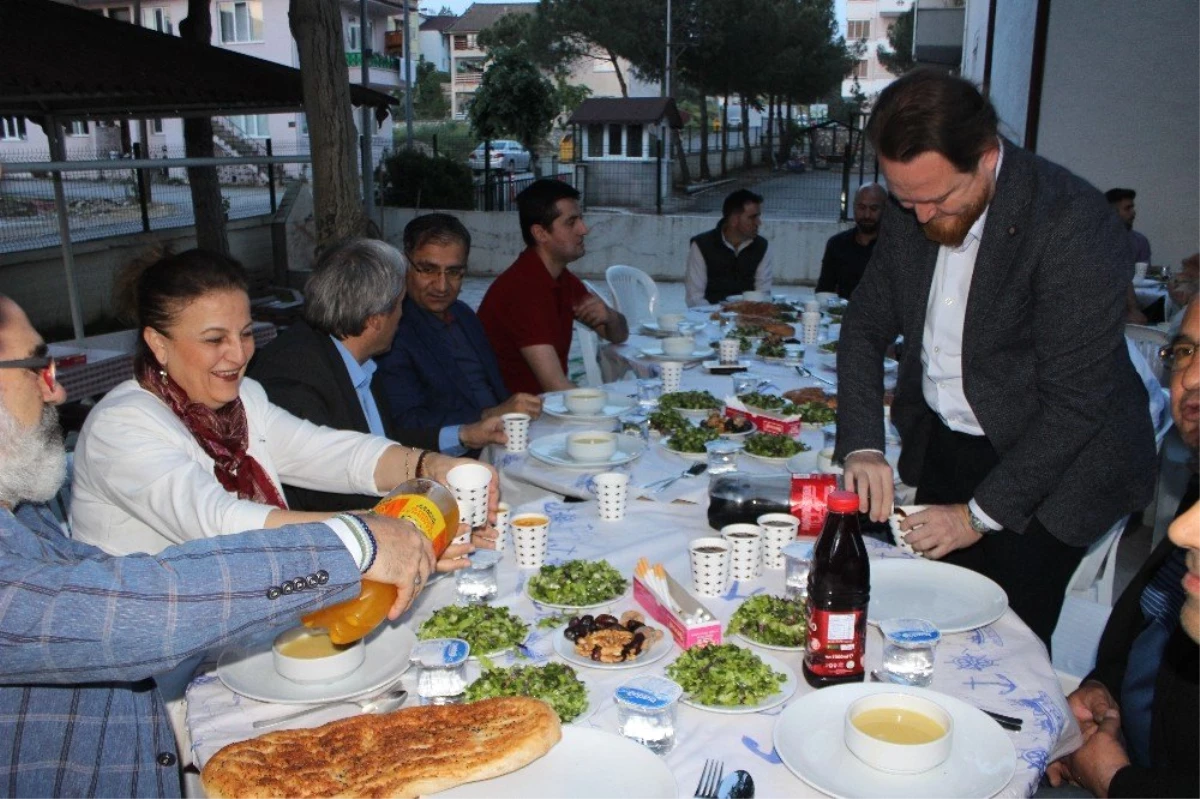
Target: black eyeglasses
{"points": [[432, 270], [43, 365], [1178, 356]]}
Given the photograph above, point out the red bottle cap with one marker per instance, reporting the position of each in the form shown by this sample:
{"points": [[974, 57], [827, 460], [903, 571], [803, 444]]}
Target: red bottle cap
{"points": [[843, 502]]}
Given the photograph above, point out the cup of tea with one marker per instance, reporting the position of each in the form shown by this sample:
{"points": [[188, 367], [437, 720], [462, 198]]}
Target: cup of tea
{"points": [[710, 557], [531, 539]]}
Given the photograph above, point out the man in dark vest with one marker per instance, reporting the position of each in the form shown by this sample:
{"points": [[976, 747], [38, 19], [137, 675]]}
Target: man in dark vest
{"points": [[731, 258]]}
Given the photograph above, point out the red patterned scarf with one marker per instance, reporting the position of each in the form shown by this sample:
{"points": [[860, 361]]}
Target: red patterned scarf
{"points": [[223, 434]]}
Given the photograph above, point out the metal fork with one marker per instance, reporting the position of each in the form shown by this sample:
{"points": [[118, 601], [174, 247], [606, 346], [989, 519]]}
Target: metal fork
{"points": [[804, 371], [710, 778]]}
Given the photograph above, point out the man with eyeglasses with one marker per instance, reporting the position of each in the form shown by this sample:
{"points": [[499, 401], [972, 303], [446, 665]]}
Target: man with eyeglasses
{"points": [[441, 371], [322, 369], [86, 633], [1139, 709]]}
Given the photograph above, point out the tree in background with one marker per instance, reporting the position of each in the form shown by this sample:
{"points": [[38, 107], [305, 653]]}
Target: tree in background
{"points": [[534, 38], [514, 99], [899, 59], [203, 181], [429, 101], [317, 28]]}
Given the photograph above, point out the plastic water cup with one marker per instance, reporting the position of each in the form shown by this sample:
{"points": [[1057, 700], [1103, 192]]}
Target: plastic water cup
{"points": [[516, 427]]}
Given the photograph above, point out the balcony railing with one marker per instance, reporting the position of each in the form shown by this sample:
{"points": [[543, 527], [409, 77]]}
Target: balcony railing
{"points": [[467, 78], [393, 43], [378, 61]]}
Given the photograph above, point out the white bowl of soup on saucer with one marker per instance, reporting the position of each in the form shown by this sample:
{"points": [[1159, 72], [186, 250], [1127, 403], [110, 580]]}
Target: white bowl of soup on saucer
{"points": [[585, 401], [898, 733], [591, 446], [305, 656]]}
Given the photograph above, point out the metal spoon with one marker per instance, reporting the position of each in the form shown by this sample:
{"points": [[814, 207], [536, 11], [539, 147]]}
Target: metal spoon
{"points": [[692, 471], [737, 785], [804, 371], [381, 703]]}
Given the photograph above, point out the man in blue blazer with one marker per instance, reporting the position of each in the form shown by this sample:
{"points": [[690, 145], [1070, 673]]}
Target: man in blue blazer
{"points": [[85, 632], [441, 370]]}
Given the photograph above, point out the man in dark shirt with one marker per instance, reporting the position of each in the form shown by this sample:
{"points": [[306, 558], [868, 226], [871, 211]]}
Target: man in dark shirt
{"points": [[731, 258], [441, 370], [847, 253]]}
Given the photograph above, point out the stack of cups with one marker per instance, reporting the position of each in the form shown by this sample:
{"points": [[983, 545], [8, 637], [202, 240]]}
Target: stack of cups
{"points": [[503, 511], [710, 565], [612, 492], [778, 530], [671, 374], [745, 541], [469, 482], [729, 349], [516, 427], [810, 323], [531, 539]]}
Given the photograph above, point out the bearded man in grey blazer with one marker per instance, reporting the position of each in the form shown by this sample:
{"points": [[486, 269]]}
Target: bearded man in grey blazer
{"points": [[1023, 422]]}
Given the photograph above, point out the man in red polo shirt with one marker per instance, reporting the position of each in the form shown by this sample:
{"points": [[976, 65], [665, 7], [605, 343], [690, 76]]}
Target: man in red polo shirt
{"points": [[529, 310]]}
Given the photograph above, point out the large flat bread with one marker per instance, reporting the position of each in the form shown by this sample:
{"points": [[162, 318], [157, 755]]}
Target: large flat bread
{"points": [[412, 752]]}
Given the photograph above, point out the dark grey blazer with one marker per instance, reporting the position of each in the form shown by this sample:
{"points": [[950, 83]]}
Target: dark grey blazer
{"points": [[1045, 366]]}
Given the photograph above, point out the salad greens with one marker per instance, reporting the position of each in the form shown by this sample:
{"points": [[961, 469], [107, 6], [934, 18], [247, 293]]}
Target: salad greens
{"points": [[691, 439], [724, 675], [771, 348], [830, 346], [668, 421], [554, 683], [817, 413], [487, 629], [771, 620], [577, 583], [688, 400], [768, 445]]}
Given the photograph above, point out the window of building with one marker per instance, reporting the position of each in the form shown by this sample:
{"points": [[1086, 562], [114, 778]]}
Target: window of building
{"points": [[633, 141], [614, 139], [120, 13], [858, 29], [241, 21], [254, 126], [860, 69], [12, 128], [156, 126], [78, 128], [156, 19], [354, 35], [595, 136], [302, 123]]}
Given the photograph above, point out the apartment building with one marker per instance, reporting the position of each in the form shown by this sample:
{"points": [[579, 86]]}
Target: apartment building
{"points": [[257, 28], [868, 22]]}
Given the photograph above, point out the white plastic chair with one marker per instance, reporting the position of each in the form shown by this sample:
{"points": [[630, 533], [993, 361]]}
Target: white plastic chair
{"points": [[1148, 341], [634, 293], [1087, 605], [589, 351], [1093, 577]]}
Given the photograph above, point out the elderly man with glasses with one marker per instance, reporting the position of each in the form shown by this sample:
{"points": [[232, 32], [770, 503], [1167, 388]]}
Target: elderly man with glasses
{"points": [[441, 370]]}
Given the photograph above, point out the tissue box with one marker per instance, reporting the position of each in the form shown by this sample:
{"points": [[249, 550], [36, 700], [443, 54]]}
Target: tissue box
{"points": [[708, 632], [764, 421]]}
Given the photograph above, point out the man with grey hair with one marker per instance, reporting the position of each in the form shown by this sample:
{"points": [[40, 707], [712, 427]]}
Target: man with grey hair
{"points": [[321, 369]]}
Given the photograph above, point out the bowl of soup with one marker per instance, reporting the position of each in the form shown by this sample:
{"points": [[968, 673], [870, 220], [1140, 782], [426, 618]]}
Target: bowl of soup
{"points": [[678, 345], [669, 322], [591, 445], [585, 400], [307, 656], [898, 733]]}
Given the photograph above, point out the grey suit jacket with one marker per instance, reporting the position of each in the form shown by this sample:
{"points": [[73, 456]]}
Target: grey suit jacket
{"points": [[1045, 366]]}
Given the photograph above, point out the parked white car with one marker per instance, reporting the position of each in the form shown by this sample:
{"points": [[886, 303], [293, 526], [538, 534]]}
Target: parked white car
{"points": [[507, 156]]}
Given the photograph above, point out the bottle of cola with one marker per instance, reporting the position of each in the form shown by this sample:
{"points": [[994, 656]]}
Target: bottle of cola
{"points": [[839, 587]]}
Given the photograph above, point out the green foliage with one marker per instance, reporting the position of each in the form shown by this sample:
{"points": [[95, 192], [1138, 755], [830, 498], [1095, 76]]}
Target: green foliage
{"points": [[899, 59], [569, 96], [429, 102], [449, 138], [415, 180], [513, 99]]}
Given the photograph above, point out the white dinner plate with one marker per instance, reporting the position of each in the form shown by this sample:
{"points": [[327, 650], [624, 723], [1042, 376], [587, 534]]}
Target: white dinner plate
{"points": [[808, 738], [761, 645], [581, 608], [616, 405], [249, 670], [474, 670], [1148, 283], [699, 354], [565, 649], [695, 457], [953, 598], [773, 700], [652, 329], [772, 461], [553, 450], [586, 764]]}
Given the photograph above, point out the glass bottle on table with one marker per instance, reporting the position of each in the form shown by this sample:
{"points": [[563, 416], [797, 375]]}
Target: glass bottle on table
{"points": [[839, 588], [433, 510]]}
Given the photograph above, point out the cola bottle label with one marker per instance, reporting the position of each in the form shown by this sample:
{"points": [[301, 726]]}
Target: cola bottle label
{"points": [[808, 500], [836, 642]]}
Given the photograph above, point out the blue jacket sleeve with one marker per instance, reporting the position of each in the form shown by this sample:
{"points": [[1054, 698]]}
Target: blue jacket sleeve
{"points": [[69, 613], [409, 394]]}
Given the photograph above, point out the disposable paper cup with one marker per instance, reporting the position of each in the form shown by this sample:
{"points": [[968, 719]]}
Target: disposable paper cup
{"points": [[516, 427], [612, 494], [710, 557], [671, 374], [503, 512], [531, 538], [1139, 270], [728, 350], [778, 530], [465, 511], [812, 305], [745, 541], [900, 535], [469, 482]]}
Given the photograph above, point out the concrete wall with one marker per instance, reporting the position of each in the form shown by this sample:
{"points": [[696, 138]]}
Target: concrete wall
{"points": [[35, 278], [656, 244]]}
